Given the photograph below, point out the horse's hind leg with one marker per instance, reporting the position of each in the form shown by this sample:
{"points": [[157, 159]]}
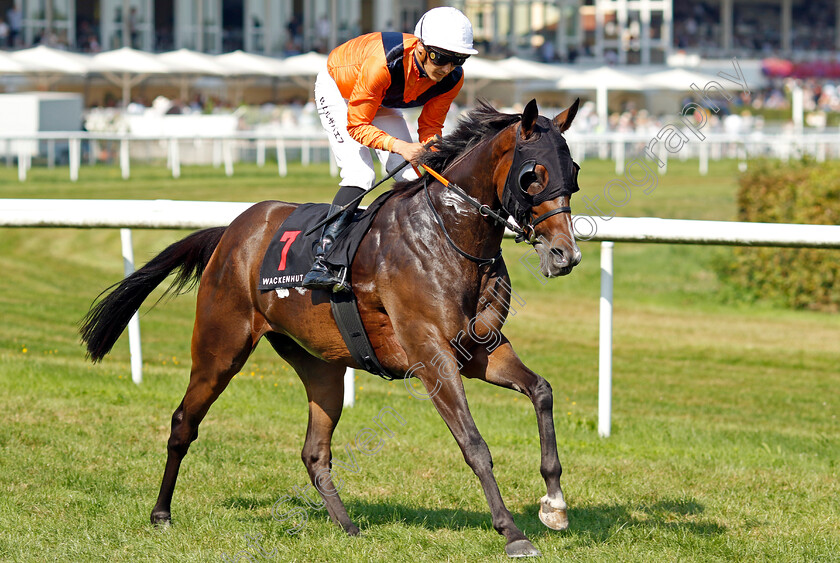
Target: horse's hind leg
{"points": [[324, 384], [503, 367], [221, 343]]}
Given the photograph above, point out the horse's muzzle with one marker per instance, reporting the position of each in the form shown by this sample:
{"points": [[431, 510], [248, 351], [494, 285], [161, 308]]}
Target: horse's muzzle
{"points": [[559, 261]]}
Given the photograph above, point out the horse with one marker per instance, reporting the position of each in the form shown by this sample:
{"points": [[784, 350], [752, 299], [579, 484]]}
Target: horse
{"points": [[432, 290]]}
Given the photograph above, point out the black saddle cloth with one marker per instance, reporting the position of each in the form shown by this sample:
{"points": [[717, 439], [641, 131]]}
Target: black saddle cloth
{"points": [[291, 254]]}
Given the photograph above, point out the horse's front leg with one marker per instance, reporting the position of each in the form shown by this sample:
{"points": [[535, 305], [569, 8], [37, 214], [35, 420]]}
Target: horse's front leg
{"points": [[446, 390], [503, 367]]}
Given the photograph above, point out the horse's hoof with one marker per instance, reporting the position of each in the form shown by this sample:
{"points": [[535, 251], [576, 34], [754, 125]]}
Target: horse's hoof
{"points": [[161, 519], [352, 530], [522, 548], [554, 517]]}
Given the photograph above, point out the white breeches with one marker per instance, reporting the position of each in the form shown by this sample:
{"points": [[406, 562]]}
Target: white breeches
{"points": [[354, 159]]}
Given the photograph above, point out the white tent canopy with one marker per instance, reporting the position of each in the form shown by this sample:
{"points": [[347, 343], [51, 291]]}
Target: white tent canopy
{"points": [[308, 64], [480, 72], [10, 65], [127, 67], [129, 60], [532, 70], [185, 61], [240, 63], [601, 79], [242, 69], [677, 79], [302, 69], [49, 65], [186, 65], [43, 59]]}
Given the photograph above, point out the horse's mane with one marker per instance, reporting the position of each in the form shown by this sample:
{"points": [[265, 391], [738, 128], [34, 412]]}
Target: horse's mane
{"points": [[482, 122]]}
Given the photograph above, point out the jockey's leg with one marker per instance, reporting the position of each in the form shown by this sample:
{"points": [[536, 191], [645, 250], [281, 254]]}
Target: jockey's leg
{"points": [[320, 276], [392, 121], [357, 171]]}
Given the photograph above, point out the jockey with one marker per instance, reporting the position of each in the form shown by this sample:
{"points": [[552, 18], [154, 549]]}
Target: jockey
{"points": [[359, 96]]}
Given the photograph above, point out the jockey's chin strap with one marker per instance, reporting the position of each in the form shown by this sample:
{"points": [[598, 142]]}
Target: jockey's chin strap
{"points": [[483, 210]]}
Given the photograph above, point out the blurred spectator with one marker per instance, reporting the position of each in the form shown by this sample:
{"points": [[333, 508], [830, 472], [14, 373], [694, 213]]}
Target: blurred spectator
{"points": [[15, 21], [291, 48], [4, 32], [197, 103], [547, 51], [50, 39], [164, 39], [93, 45], [322, 31], [175, 108], [294, 40], [132, 28]]}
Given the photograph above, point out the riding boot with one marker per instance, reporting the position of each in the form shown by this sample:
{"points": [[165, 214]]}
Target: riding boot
{"points": [[320, 276]]}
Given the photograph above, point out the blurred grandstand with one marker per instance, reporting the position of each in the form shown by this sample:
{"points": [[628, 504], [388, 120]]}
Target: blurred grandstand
{"points": [[786, 48]]}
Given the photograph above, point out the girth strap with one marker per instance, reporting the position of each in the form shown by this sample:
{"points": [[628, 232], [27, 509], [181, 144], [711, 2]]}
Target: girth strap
{"points": [[346, 313]]}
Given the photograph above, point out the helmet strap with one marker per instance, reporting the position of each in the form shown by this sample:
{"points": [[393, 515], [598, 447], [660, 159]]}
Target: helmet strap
{"points": [[425, 56]]}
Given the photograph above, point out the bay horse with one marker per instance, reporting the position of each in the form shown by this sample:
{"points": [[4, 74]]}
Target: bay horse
{"points": [[431, 286]]}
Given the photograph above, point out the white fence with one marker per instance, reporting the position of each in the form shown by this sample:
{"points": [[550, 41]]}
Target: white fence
{"points": [[226, 150], [166, 214]]}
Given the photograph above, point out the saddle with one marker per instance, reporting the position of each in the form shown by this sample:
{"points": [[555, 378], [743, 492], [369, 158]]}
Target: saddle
{"points": [[290, 256]]}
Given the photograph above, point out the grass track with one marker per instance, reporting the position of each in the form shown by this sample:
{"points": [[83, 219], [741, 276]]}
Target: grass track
{"points": [[724, 446]]}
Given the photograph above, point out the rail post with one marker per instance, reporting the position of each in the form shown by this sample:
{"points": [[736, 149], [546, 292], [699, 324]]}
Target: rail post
{"points": [[349, 387], [134, 323], [605, 342]]}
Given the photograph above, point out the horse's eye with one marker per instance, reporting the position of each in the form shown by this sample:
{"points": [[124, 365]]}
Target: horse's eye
{"points": [[527, 175], [526, 180]]}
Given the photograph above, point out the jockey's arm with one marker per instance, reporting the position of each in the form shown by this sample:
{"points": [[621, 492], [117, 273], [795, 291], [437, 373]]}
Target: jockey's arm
{"points": [[409, 151]]}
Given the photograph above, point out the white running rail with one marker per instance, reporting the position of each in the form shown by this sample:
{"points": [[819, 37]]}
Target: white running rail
{"points": [[168, 214]]}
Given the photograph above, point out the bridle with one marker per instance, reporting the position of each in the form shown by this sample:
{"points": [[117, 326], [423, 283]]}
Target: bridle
{"points": [[528, 233], [516, 202], [483, 210]]}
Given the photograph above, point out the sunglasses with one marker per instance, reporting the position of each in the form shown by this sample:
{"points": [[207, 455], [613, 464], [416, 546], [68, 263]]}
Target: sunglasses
{"points": [[443, 58]]}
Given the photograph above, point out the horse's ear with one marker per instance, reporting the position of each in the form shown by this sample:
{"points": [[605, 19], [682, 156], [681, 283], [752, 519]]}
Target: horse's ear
{"points": [[529, 118], [564, 119]]}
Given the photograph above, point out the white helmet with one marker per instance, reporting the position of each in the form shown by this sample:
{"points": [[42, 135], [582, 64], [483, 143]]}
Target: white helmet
{"points": [[446, 28]]}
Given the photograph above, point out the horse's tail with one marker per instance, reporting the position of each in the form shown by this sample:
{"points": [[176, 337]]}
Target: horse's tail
{"points": [[106, 320]]}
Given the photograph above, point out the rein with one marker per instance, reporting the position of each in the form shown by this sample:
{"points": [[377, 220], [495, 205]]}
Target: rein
{"points": [[515, 199], [474, 203], [522, 235], [483, 209]]}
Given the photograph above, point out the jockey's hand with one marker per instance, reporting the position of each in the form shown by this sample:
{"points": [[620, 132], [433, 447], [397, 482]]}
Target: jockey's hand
{"points": [[409, 151]]}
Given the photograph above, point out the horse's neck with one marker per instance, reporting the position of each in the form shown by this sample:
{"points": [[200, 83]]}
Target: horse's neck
{"points": [[466, 226], [474, 175]]}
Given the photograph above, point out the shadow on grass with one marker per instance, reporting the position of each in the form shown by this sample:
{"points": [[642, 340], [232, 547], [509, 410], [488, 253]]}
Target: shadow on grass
{"points": [[384, 513], [247, 503], [597, 523], [591, 523]]}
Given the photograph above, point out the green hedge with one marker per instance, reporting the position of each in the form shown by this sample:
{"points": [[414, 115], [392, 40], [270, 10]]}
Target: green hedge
{"points": [[791, 192]]}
